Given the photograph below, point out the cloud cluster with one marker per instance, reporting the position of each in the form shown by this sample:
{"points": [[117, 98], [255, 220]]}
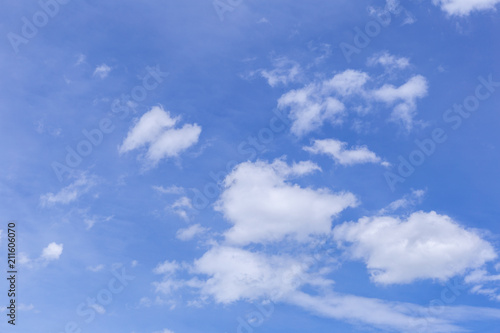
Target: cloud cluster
{"points": [[156, 130], [324, 101]]}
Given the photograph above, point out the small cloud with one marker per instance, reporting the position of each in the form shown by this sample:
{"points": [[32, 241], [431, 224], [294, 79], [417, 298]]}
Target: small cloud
{"points": [[102, 71], [69, 193], [52, 252], [95, 269], [156, 129], [181, 207], [90, 222], [388, 61], [134, 263], [341, 154], [191, 232], [167, 267]]}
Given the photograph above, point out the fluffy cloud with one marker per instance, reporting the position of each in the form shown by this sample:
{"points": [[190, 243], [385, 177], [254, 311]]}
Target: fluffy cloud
{"points": [[465, 7], [52, 252], [264, 207], [324, 101], [405, 97], [425, 246], [346, 83], [156, 130], [236, 274], [310, 108], [339, 152], [69, 193]]}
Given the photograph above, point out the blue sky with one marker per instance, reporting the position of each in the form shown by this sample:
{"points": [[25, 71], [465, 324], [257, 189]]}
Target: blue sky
{"points": [[246, 166]]}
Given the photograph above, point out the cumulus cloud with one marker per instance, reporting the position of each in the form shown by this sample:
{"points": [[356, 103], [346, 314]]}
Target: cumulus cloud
{"points": [[52, 252], [102, 71], [237, 274], [465, 7], [425, 246], [69, 193], [310, 108], [263, 206], [405, 97], [347, 83], [325, 101], [338, 151], [155, 129]]}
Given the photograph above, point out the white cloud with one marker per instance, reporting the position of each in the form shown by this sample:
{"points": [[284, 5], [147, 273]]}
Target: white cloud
{"points": [[167, 267], [263, 206], [407, 95], [484, 283], [285, 72], [181, 207], [156, 129], [190, 232], [339, 152], [52, 252], [310, 108], [425, 246], [465, 7], [325, 100], [69, 193], [347, 83], [236, 274], [102, 71], [389, 61]]}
